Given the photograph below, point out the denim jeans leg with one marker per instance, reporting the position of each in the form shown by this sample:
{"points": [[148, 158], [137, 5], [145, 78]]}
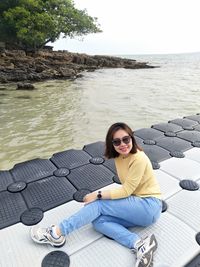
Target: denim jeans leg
{"points": [[116, 229], [85, 215], [134, 210]]}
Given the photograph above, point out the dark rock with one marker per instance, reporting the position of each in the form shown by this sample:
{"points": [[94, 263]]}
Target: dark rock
{"points": [[25, 86], [78, 60], [3, 79], [77, 76], [67, 73], [18, 65], [40, 68]]}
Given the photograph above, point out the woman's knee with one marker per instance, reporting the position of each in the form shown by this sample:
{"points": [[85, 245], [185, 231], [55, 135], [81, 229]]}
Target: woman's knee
{"points": [[97, 223], [156, 216]]}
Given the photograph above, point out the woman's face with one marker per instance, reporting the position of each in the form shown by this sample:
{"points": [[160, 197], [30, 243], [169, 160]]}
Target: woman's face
{"points": [[122, 142]]}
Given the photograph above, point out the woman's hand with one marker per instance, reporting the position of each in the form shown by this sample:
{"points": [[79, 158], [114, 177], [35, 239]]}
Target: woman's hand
{"points": [[105, 194], [90, 197]]}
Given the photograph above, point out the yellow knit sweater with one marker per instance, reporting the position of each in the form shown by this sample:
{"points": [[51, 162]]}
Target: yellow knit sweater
{"points": [[137, 177]]}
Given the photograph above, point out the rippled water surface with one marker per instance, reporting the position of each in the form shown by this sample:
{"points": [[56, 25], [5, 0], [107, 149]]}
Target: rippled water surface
{"points": [[60, 115]]}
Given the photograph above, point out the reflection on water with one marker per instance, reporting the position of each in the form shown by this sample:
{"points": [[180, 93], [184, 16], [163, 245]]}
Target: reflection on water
{"points": [[60, 115], [23, 97]]}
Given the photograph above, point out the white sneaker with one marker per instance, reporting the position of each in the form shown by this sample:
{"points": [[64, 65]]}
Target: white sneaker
{"points": [[144, 251], [44, 236]]}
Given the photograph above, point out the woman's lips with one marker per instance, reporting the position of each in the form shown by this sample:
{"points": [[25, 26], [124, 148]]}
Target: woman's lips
{"points": [[124, 149]]}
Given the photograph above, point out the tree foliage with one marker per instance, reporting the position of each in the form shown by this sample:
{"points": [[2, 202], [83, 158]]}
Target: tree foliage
{"points": [[33, 23]]}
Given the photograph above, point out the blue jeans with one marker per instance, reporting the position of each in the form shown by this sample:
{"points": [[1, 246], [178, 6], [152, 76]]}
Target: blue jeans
{"points": [[113, 217]]}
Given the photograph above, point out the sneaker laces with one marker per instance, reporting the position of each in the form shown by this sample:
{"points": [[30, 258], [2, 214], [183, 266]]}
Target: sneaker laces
{"points": [[142, 254], [43, 235], [140, 251], [49, 231]]}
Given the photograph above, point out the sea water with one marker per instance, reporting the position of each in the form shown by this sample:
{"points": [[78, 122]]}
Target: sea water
{"points": [[61, 114]]}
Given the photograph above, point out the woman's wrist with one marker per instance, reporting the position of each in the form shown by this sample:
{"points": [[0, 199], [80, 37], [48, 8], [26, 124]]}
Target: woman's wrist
{"points": [[90, 197], [97, 195]]}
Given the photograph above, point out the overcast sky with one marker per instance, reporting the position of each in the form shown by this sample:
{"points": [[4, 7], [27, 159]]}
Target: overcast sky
{"points": [[139, 27]]}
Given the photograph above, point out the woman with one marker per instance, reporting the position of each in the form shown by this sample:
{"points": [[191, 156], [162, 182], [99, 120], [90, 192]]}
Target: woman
{"points": [[135, 203]]}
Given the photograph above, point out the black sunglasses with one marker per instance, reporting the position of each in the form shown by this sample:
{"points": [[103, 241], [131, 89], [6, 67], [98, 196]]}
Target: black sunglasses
{"points": [[117, 142]]}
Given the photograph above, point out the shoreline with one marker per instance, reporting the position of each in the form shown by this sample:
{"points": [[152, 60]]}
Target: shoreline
{"points": [[21, 66]]}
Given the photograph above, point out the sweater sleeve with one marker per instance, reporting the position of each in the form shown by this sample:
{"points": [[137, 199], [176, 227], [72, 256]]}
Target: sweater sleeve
{"points": [[135, 174]]}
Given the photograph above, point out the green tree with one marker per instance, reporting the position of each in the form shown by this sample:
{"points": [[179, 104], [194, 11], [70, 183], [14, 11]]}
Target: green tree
{"points": [[34, 23]]}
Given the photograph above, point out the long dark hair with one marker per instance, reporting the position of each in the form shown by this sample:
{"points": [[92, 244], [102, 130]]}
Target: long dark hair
{"points": [[110, 151]]}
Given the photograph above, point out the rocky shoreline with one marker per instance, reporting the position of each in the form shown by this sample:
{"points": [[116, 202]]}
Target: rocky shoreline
{"points": [[21, 66]]}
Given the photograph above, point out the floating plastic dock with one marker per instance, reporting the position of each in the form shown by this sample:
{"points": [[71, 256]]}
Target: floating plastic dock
{"points": [[47, 190]]}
